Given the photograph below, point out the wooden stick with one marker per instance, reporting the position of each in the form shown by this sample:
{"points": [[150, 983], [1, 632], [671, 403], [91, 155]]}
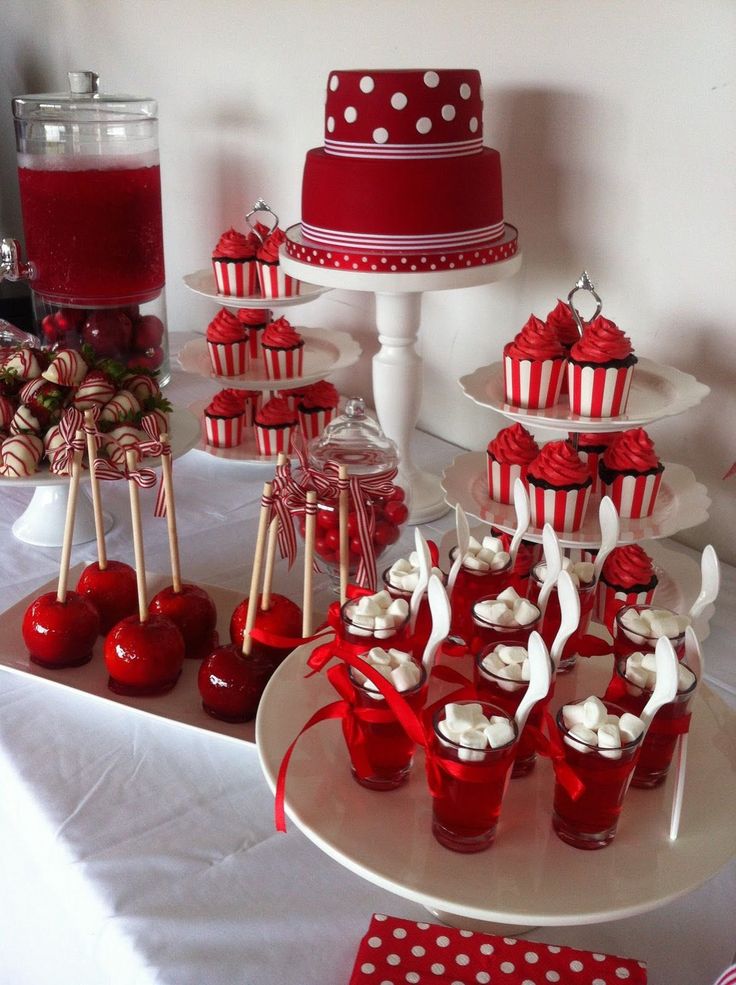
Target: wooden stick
{"points": [[271, 551], [255, 579], [94, 484], [343, 509], [166, 469], [71, 511], [309, 531], [135, 515]]}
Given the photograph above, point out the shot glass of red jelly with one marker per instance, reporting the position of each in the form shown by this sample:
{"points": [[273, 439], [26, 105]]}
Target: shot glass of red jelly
{"points": [[488, 632], [423, 626], [627, 640], [553, 617], [471, 585], [468, 786], [354, 631], [590, 821]]}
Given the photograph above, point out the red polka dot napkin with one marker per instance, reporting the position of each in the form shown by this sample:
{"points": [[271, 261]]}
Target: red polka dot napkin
{"points": [[397, 952]]}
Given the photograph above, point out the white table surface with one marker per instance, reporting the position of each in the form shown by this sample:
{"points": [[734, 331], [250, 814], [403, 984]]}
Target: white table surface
{"points": [[133, 851]]}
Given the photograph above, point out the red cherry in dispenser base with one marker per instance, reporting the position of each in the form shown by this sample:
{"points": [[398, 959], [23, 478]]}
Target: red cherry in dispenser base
{"points": [[112, 589], [109, 332], [60, 634], [231, 683], [283, 618], [143, 658], [193, 612]]}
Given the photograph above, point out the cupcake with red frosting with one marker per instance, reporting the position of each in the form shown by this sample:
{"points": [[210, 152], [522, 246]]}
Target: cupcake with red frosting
{"points": [[562, 321], [599, 370], [316, 408], [509, 455], [273, 281], [590, 447], [235, 265], [283, 350], [559, 487], [628, 578], [252, 400], [255, 321], [631, 473], [533, 366], [227, 344], [274, 426], [224, 419]]}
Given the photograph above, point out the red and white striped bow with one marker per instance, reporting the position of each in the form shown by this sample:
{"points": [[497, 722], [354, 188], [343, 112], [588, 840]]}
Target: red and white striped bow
{"points": [[145, 478], [154, 447], [70, 423]]}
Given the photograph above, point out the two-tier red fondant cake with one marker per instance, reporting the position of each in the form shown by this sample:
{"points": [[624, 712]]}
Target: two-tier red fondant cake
{"points": [[403, 181]]}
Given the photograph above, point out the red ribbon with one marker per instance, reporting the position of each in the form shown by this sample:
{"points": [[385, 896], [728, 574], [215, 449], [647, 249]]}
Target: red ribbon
{"points": [[616, 691], [336, 646], [282, 485], [70, 423], [551, 747], [593, 646], [155, 447], [145, 478]]}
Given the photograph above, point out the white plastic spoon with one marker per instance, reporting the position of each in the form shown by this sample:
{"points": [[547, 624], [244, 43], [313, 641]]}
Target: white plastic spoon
{"points": [[570, 615], [523, 519], [463, 540], [694, 660], [425, 567], [710, 582], [439, 606], [610, 531], [553, 564], [540, 678], [665, 688]]}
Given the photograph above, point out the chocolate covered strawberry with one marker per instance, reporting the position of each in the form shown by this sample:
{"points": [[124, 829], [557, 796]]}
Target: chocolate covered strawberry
{"points": [[44, 400]]}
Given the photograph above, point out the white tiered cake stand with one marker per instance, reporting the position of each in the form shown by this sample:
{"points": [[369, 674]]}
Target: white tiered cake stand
{"points": [[397, 366]]}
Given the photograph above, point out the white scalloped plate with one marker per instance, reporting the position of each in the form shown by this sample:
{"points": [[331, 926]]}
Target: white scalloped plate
{"points": [[656, 391], [202, 282], [682, 502]]}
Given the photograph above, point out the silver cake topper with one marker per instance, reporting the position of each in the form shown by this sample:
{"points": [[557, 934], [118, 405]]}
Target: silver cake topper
{"points": [[260, 206], [584, 283]]}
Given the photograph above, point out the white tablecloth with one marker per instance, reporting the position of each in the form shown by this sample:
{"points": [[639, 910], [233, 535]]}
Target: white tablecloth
{"points": [[134, 851]]}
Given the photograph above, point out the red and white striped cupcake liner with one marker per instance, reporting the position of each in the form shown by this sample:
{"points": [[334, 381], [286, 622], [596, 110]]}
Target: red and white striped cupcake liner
{"points": [[228, 358], [501, 479], [252, 406], [255, 334], [224, 432], [312, 423], [282, 364], [609, 600], [236, 278], [272, 441], [275, 283], [563, 508], [633, 496], [598, 391], [591, 459], [533, 383]]}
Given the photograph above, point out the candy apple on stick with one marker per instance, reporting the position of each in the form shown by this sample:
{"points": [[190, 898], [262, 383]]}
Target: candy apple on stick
{"points": [[60, 628], [111, 585], [144, 653], [185, 604]]}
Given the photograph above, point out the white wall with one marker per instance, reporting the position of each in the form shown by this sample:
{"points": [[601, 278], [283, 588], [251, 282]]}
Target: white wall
{"points": [[615, 122]]}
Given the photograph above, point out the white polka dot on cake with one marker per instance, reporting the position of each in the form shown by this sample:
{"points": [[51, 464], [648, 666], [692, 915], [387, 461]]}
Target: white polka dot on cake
{"points": [[334, 83], [507, 967], [367, 968], [399, 100], [552, 976], [331, 124], [448, 112], [424, 124], [462, 959], [366, 84], [399, 933], [418, 951], [473, 124], [443, 941], [374, 942], [393, 959], [437, 968], [465, 91], [380, 135], [431, 80], [351, 114]]}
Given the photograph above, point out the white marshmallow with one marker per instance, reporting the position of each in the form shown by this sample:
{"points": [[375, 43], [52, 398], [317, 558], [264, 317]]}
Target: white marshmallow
{"points": [[510, 672], [594, 713], [377, 655], [475, 563], [492, 662], [508, 595], [630, 727], [585, 571], [473, 739], [492, 544], [649, 662], [463, 716], [500, 561], [400, 566], [586, 736], [405, 676], [526, 613], [572, 715], [639, 677], [474, 545], [410, 581], [666, 626], [609, 739], [362, 621], [382, 598], [685, 678], [398, 608], [499, 733], [368, 606], [511, 654], [399, 656]]}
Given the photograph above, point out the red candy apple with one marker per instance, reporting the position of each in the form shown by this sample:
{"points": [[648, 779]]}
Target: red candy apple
{"points": [[193, 612], [108, 331], [60, 634], [231, 683], [283, 618], [143, 658], [112, 589]]}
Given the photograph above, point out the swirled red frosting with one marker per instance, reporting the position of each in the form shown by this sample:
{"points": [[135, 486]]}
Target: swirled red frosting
{"points": [[601, 342], [321, 394], [514, 446], [594, 440], [233, 245], [253, 316], [226, 403], [280, 335], [269, 251], [225, 328], [536, 340], [559, 465], [276, 412], [631, 451], [562, 321], [628, 567]]}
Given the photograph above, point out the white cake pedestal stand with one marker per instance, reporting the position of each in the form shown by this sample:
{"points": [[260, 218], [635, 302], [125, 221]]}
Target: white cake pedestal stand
{"points": [[397, 366]]}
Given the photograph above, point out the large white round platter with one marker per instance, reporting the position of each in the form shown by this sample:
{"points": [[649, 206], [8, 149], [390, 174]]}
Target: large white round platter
{"points": [[528, 876], [682, 502], [325, 352], [656, 391], [202, 282]]}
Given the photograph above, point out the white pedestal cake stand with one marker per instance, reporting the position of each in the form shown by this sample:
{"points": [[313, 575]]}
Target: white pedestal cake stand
{"points": [[397, 366]]}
